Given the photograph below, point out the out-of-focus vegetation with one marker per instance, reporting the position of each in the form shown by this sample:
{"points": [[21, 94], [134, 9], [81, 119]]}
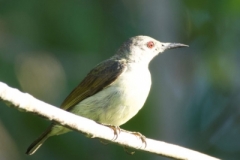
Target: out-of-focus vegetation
{"points": [[47, 47]]}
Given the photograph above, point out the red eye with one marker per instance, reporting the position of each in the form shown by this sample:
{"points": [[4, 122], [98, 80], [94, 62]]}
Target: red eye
{"points": [[150, 44]]}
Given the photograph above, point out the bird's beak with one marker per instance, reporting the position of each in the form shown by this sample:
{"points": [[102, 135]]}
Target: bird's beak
{"points": [[174, 45]]}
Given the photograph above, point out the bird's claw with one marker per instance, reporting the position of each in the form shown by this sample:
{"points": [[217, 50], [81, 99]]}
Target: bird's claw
{"points": [[116, 130], [138, 134], [142, 137]]}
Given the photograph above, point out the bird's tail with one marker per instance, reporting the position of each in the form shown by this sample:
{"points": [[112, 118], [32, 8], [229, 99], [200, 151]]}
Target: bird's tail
{"points": [[39, 141]]}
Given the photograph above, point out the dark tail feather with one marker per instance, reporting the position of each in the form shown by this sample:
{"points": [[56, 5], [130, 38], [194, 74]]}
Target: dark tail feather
{"points": [[39, 141]]}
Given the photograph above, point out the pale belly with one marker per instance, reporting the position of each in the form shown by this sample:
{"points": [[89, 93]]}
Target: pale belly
{"points": [[118, 102]]}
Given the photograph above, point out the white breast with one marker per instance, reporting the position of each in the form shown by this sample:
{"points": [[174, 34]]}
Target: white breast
{"points": [[121, 100], [131, 90], [134, 84]]}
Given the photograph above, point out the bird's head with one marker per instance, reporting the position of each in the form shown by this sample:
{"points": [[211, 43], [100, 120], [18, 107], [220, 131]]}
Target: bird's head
{"points": [[144, 49]]}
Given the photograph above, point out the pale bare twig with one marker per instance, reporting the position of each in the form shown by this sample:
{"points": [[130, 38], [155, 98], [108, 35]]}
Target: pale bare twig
{"points": [[28, 103]]}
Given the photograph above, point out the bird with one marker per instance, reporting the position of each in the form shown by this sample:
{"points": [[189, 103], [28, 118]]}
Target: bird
{"points": [[114, 90]]}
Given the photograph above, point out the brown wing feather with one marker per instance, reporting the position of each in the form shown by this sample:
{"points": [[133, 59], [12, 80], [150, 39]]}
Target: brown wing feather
{"points": [[97, 79]]}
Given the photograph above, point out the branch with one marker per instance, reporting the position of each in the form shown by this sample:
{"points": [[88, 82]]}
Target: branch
{"points": [[28, 103]]}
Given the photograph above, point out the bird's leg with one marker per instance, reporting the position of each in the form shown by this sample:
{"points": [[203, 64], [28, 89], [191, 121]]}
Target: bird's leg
{"points": [[116, 130], [142, 137], [138, 134]]}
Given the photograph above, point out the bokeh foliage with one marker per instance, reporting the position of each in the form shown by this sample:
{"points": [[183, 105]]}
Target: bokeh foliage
{"points": [[47, 47]]}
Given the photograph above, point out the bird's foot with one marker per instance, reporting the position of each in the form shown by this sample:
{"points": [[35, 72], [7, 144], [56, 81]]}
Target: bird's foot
{"points": [[142, 137], [116, 130]]}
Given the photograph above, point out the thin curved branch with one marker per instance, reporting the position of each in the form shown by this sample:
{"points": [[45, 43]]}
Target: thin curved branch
{"points": [[28, 103]]}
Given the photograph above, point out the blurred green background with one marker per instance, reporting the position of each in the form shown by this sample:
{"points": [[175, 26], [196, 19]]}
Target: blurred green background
{"points": [[47, 47]]}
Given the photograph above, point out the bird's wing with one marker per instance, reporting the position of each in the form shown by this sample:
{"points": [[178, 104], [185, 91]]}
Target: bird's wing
{"points": [[100, 77]]}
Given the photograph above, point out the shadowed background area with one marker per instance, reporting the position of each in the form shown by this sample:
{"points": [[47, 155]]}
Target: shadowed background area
{"points": [[47, 47]]}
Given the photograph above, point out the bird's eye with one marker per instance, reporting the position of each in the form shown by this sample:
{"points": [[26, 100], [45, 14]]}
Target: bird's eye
{"points": [[150, 44]]}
